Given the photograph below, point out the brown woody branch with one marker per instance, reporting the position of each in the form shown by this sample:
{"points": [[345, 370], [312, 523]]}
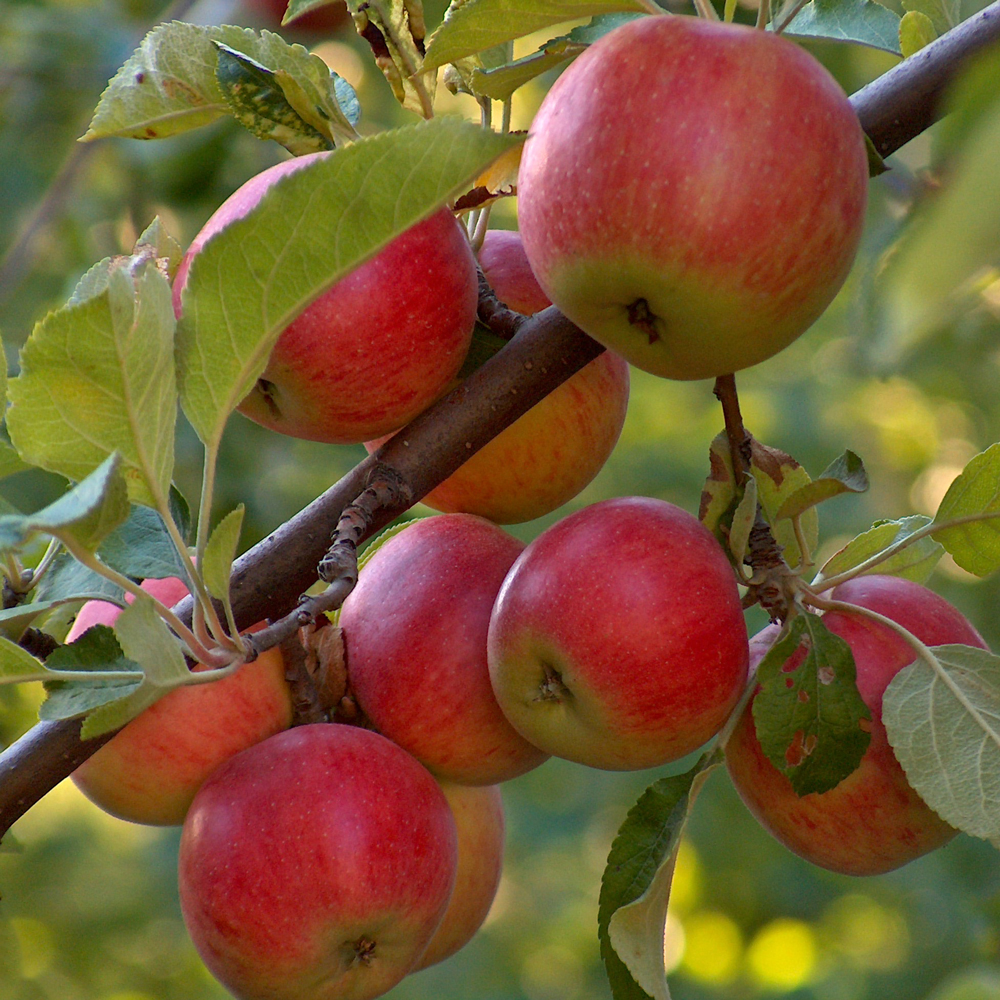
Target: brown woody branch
{"points": [[548, 349]]}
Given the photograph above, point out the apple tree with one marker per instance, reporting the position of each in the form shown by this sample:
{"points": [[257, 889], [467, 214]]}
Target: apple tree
{"points": [[867, 736]]}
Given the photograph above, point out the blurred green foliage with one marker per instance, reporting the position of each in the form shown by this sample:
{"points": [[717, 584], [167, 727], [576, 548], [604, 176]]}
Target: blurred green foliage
{"points": [[89, 906]]}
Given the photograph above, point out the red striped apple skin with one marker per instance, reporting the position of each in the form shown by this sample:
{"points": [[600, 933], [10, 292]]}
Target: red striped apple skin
{"points": [[617, 639], [374, 350], [479, 819], [549, 454], [150, 771], [873, 821], [692, 194], [316, 866], [415, 634]]}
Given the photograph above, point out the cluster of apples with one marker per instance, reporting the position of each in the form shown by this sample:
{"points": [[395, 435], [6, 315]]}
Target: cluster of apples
{"points": [[331, 860]]}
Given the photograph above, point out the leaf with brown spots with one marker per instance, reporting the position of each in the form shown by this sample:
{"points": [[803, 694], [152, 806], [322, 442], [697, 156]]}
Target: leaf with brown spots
{"points": [[809, 717]]}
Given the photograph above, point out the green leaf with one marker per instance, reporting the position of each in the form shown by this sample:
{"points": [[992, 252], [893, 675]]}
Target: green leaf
{"points": [[863, 21], [169, 84], [96, 651], [97, 377], [146, 640], [809, 717], [970, 99], [395, 30], [258, 103], [635, 888], [976, 490], [475, 25], [220, 553], [142, 547], [845, 474], [86, 515], [68, 579], [13, 621], [876, 165], [485, 344], [18, 665], [916, 30], [778, 476], [501, 82], [311, 228], [952, 245], [165, 248], [718, 495], [10, 461], [3, 377], [943, 14], [944, 727], [743, 520], [915, 562]]}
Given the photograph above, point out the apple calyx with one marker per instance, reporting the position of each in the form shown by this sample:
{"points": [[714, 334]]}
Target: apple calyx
{"points": [[640, 315], [552, 687], [362, 951]]}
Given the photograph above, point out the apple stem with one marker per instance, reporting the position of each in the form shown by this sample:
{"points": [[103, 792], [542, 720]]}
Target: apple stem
{"points": [[763, 14], [739, 439], [31, 581], [705, 10], [306, 707], [482, 224]]}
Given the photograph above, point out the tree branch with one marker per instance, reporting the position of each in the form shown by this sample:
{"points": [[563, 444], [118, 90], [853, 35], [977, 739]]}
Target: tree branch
{"points": [[905, 101]]}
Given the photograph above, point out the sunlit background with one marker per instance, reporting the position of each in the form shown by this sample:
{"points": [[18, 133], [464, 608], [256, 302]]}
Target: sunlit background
{"points": [[904, 369]]}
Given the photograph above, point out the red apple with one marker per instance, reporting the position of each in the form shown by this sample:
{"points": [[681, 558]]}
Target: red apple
{"points": [[547, 456], [618, 638], [323, 20], [478, 813], [375, 349], [873, 821], [150, 771], [316, 865], [692, 193], [415, 633]]}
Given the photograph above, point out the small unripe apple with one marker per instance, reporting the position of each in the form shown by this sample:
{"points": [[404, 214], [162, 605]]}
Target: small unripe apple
{"points": [[618, 639], [150, 771], [692, 193], [873, 821], [548, 455], [478, 813], [378, 347], [415, 634], [316, 866]]}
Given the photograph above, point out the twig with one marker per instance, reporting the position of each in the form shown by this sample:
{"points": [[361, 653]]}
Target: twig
{"points": [[493, 313]]}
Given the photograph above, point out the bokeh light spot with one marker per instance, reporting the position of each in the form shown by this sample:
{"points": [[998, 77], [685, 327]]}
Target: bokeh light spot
{"points": [[713, 947], [782, 956], [868, 934]]}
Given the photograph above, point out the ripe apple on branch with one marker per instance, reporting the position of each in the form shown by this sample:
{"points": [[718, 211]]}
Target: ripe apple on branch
{"points": [[315, 233]]}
